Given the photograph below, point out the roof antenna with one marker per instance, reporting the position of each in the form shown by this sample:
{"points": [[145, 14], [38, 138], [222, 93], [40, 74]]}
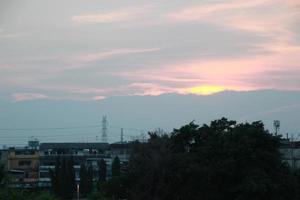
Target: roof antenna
{"points": [[276, 126]]}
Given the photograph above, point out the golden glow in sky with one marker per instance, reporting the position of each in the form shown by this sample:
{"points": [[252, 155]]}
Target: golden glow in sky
{"points": [[205, 90]]}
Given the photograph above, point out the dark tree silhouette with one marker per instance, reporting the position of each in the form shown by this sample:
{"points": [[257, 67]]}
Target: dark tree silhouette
{"points": [[102, 171], [86, 180], [63, 179], [221, 161], [116, 167], [2, 176]]}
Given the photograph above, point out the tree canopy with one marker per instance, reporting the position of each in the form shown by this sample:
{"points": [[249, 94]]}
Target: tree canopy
{"points": [[102, 170], [220, 161], [63, 179]]}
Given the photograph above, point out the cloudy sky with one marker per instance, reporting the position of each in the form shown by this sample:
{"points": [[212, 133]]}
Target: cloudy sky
{"points": [[93, 49]]}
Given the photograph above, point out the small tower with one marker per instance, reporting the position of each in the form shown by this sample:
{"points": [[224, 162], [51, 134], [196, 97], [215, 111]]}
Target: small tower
{"points": [[122, 135], [104, 130], [276, 126]]}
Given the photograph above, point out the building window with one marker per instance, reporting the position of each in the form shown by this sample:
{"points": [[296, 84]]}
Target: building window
{"points": [[25, 163], [44, 175], [25, 152]]}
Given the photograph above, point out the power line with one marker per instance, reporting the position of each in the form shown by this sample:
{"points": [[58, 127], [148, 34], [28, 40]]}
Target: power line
{"points": [[20, 134], [69, 127], [80, 134], [48, 128], [52, 135]]}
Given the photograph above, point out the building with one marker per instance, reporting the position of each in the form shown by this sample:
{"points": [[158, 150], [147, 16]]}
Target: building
{"points": [[22, 167], [88, 154], [30, 167], [120, 149], [290, 151]]}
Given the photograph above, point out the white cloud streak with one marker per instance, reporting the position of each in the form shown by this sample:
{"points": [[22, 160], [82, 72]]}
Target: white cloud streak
{"points": [[121, 15]]}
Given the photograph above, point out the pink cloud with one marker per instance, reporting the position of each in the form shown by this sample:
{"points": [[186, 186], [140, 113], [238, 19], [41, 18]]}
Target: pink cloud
{"points": [[28, 96], [18, 97], [151, 89], [207, 10], [109, 54], [275, 26], [97, 98], [241, 73], [277, 51], [122, 15]]}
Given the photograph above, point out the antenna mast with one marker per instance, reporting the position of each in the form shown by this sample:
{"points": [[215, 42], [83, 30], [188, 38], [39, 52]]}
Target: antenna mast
{"points": [[276, 126], [104, 129]]}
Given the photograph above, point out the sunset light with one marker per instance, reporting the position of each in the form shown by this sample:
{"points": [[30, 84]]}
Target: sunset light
{"points": [[150, 99], [205, 90]]}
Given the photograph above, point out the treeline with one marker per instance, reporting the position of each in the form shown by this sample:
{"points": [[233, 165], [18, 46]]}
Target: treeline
{"points": [[224, 160]]}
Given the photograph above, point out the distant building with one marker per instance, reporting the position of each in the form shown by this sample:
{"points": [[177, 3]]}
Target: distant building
{"points": [[123, 151], [88, 154], [291, 153], [22, 167], [29, 167], [120, 149]]}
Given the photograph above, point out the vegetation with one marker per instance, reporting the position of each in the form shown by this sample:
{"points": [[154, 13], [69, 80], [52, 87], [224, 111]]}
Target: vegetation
{"points": [[224, 160], [102, 171], [114, 188], [86, 180], [2, 176], [116, 168], [63, 179], [12, 194], [220, 161]]}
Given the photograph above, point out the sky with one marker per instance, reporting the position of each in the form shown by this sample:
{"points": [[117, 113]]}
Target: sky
{"points": [[93, 49], [67, 63]]}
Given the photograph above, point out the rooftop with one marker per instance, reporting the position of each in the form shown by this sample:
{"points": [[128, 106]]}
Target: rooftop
{"points": [[71, 145]]}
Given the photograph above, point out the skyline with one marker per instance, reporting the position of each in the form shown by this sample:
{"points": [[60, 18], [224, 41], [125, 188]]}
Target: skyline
{"points": [[73, 50], [140, 114]]}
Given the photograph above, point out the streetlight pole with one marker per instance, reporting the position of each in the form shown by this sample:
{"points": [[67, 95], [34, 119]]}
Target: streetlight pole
{"points": [[78, 191]]}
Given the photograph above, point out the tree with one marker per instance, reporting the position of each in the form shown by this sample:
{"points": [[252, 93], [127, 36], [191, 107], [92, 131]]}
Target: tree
{"points": [[90, 180], [63, 178], [55, 180], [86, 180], [83, 180], [2, 176], [221, 161], [102, 171], [116, 167], [44, 196], [114, 187]]}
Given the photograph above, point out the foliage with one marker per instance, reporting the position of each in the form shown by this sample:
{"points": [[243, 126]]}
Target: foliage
{"points": [[102, 171], [44, 196], [224, 160], [2, 176], [63, 179], [220, 161], [14, 194], [86, 180], [114, 187], [98, 196], [9, 194], [116, 167]]}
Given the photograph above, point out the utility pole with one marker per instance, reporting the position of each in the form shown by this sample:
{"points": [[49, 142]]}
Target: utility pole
{"points": [[78, 192], [122, 135], [292, 152], [104, 129]]}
